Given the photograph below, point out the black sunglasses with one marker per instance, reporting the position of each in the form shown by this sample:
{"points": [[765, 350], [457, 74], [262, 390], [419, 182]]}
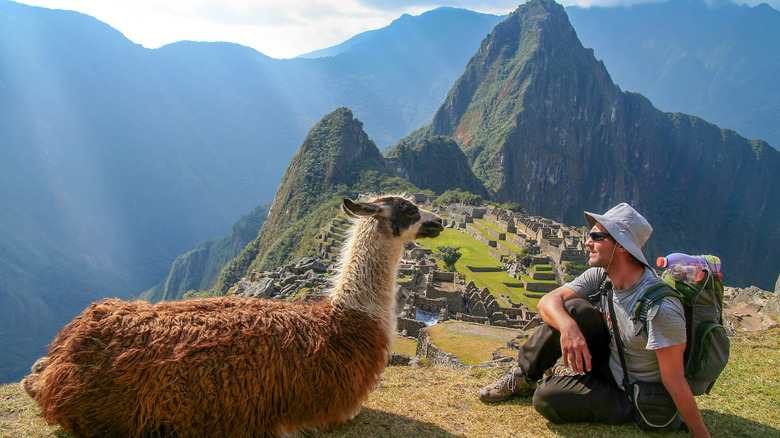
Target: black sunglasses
{"points": [[596, 236]]}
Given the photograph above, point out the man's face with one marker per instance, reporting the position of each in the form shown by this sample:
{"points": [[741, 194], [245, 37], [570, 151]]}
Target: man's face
{"points": [[600, 246]]}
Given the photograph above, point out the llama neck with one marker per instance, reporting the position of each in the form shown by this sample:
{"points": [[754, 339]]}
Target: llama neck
{"points": [[368, 266]]}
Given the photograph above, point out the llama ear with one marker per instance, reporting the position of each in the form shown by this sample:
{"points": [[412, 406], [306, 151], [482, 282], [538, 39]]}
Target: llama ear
{"points": [[352, 208]]}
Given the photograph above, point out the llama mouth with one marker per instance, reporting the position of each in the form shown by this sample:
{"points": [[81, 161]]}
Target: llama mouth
{"points": [[431, 230]]}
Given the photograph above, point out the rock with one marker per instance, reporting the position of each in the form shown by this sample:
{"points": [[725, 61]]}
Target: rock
{"points": [[288, 280], [406, 360], [261, 289], [750, 308], [751, 294], [309, 263]]}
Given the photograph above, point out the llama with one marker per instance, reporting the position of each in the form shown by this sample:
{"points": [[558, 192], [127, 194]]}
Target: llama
{"points": [[233, 366]]}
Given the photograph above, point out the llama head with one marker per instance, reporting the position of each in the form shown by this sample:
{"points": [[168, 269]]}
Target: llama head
{"points": [[397, 215]]}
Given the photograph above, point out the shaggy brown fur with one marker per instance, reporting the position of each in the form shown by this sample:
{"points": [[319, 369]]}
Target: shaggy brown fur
{"points": [[230, 366], [161, 369]]}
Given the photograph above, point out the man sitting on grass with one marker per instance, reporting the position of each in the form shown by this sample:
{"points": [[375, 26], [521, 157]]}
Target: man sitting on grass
{"points": [[578, 332]]}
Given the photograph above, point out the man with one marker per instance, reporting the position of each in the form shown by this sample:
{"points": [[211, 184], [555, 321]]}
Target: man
{"points": [[577, 331]]}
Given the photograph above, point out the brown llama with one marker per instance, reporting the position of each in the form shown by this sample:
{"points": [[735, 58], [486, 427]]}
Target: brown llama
{"points": [[232, 366]]}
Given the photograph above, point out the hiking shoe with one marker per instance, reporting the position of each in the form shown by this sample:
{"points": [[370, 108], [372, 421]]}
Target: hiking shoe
{"points": [[512, 384]]}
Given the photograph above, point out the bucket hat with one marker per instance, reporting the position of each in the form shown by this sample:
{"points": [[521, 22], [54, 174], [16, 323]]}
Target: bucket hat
{"points": [[629, 228]]}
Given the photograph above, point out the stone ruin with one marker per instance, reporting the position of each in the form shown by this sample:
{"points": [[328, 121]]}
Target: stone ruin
{"points": [[426, 295], [288, 281], [544, 240]]}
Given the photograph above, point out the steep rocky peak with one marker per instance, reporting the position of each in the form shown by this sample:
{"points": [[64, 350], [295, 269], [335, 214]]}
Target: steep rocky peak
{"points": [[530, 66]]}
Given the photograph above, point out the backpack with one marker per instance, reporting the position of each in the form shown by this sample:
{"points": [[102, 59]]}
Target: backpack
{"points": [[707, 349]]}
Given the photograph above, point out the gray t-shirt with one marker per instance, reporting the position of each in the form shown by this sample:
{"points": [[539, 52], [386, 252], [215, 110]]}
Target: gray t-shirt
{"points": [[665, 329]]}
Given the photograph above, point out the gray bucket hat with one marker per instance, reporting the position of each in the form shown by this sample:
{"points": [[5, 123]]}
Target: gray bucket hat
{"points": [[629, 228]]}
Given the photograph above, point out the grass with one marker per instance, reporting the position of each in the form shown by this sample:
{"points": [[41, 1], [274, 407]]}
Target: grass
{"points": [[405, 345], [438, 401], [491, 226], [471, 343], [474, 254]]}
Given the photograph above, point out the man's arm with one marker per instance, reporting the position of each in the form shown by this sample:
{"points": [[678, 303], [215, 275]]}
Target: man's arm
{"points": [[574, 348], [670, 361]]}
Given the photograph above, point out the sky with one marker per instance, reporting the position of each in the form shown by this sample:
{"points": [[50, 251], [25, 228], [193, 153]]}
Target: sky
{"points": [[277, 28]]}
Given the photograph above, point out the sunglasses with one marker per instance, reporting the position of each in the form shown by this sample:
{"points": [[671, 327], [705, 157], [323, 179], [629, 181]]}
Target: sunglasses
{"points": [[596, 236]]}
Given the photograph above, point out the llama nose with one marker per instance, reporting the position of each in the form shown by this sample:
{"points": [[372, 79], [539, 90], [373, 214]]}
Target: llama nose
{"points": [[431, 228]]}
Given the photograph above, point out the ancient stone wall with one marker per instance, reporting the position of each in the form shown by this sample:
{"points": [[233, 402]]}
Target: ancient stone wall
{"points": [[471, 318], [426, 349], [409, 327], [496, 234], [454, 299]]}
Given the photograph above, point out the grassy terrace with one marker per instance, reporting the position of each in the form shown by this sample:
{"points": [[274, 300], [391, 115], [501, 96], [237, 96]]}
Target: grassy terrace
{"points": [[481, 223], [472, 343], [405, 345], [442, 402], [475, 253]]}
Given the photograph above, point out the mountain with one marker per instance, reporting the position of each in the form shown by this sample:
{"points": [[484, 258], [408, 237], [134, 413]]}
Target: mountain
{"points": [[436, 164], [717, 60], [542, 124], [394, 77], [335, 160], [456, 31], [198, 270], [116, 159]]}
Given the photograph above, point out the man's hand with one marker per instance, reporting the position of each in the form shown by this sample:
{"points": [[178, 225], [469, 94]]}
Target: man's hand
{"points": [[574, 349], [670, 361]]}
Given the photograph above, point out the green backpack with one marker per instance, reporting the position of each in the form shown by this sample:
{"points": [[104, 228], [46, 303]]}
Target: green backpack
{"points": [[707, 350]]}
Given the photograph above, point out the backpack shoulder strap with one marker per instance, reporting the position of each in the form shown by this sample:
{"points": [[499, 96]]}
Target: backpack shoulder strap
{"points": [[618, 342], [601, 292], [653, 295], [660, 290]]}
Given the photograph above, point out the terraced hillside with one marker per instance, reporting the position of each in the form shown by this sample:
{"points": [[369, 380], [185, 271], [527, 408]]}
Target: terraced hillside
{"points": [[496, 253]]}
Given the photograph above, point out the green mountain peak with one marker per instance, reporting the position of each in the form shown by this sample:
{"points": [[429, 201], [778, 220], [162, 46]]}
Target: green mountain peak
{"points": [[542, 124], [335, 160]]}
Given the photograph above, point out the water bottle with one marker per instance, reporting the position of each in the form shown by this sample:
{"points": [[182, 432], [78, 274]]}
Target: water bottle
{"points": [[685, 273], [690, 268]]}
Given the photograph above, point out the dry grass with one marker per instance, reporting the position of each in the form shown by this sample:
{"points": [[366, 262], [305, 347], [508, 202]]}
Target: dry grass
{"points": [[405, 345], [442, 402], [472, 343], [19, 416]]}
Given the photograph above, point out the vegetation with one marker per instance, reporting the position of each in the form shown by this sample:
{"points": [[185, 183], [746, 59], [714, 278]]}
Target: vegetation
{"points": [[236, 268], [473, 344], [458, 196], [404, 345], [511, 205], [450, 255], [437, 401], [452, 169], [474, 254]]}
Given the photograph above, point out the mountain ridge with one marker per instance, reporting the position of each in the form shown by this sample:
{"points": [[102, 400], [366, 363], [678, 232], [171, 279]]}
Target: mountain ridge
{"points": [[117, 159], [543, 125], [335, 160], [120, 222], [714, 60]]}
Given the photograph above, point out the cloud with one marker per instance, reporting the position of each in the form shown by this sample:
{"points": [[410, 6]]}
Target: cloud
{"points": [[278, 28], [490, 6]]}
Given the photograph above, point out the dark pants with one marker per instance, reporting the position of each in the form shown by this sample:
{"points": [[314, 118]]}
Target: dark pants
{"points": [[591, 397]]}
